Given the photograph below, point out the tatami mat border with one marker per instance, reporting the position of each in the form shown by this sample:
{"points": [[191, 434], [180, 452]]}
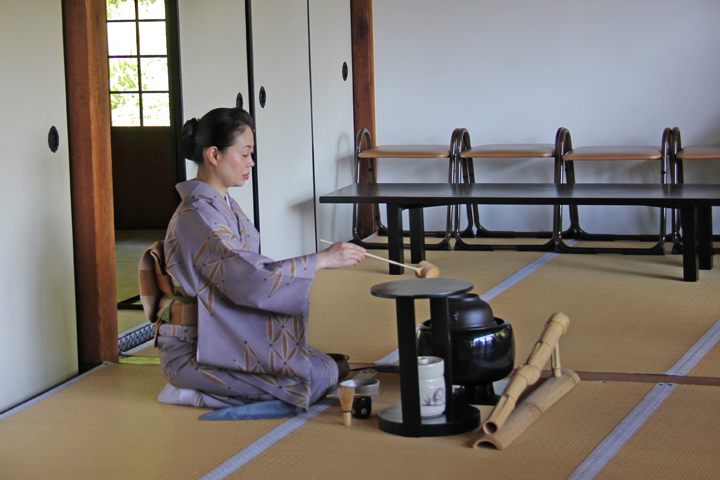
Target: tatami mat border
{"points": [[137, 336], [604, 452], [520, 275], [134, 329], [55, 390], [697, 352], [393, 357], [266, 441]]}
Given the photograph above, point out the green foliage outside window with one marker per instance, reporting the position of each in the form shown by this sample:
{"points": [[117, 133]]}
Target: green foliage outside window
{"points": [[138, 81]]}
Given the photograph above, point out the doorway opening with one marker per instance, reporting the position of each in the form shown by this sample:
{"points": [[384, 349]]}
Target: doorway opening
{"points": [[146, 116]]}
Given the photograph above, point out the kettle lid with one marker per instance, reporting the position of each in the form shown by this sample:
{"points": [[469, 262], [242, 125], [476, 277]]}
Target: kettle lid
{"points": [[468, 311]]}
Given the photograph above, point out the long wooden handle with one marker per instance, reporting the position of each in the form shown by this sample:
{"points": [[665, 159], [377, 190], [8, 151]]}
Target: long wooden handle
{"points": [[382, 259]]}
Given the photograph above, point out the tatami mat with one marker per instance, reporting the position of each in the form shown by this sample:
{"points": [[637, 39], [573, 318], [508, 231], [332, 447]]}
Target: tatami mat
{"points": [[111, 426], [129, 247], [618, 244], [149, 351], [128, 319], [127, 280], [570, 242], [679, 441], [474, 241], [346, 318], [709, 366], [504, 241], [629, 314], [540, 241], [126, 237], [551, 449]]}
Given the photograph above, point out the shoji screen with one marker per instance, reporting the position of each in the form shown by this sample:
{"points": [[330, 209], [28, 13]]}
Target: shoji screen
{"points": [[284, 129], [38, 346], [332, 102], [213, 59]]}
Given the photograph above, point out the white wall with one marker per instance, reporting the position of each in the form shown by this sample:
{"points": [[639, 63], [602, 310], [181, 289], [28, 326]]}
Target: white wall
{"points": [[513, 71]]}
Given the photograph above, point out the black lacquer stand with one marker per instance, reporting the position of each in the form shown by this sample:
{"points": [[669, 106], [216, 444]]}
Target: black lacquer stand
{"points": [[405, 419]]}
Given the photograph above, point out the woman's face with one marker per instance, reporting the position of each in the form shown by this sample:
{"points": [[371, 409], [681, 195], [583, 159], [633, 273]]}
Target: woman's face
{"points": [[234, 164]]}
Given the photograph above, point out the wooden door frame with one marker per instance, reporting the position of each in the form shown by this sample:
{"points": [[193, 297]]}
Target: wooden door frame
{"points": [[361, 12], [88, 105]]}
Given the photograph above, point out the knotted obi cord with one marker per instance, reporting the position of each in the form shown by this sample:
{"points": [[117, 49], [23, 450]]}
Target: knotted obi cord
{"points": [[167, 318], [181, 316]]}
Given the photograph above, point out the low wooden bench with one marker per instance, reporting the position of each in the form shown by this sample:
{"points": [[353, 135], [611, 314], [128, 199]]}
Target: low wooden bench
{"points": [[372, 153], [570, 155], [507, 151], [678, 155], [694, 201]]}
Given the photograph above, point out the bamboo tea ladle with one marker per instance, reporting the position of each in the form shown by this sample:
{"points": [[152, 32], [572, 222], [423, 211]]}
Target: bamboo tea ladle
{"points": [[423, 270]]}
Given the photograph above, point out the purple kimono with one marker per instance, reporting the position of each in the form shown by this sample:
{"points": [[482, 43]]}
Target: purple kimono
{"points": [[251, 339]]}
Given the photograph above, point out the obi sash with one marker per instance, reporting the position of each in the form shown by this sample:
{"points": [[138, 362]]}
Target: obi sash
{"points": [[162, 301]]}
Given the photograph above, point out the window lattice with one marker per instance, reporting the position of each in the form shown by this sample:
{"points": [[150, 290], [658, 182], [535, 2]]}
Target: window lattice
{"points": [[138, 63]]}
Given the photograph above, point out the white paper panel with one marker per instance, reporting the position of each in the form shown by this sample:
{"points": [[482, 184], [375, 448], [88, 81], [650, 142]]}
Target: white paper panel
{"points": [[213, 57], [38, 345], [284, 134], [332, 100]]}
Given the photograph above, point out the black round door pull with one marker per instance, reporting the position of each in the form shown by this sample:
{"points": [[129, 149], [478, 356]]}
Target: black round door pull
{"points": [[53, 139], [239, 100], [263, 97], [345, 71]]}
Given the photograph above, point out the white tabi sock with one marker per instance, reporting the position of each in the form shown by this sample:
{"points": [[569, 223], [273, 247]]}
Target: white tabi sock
{"points": [[181, 396]]}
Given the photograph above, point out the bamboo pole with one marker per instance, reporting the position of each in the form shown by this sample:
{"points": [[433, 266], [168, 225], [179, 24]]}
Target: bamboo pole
{"points": [[529, 373], [530, 409]]}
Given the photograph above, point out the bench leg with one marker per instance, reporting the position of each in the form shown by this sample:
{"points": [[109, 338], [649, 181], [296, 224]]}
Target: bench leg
{"points": [[704, 237], [395, 238], [417, 235], [688, 217]]}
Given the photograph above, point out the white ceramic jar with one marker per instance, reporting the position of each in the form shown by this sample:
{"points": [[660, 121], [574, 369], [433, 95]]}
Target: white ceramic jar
{"points": [[431, 376]]}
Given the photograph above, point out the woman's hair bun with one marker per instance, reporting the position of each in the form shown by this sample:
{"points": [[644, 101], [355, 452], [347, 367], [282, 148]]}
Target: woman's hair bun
{"points": [[187, 143], [218, 128]]}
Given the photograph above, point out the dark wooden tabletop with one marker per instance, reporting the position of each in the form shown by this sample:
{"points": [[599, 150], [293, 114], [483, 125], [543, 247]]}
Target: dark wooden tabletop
{"points": [[433, 194], [421, 288]]}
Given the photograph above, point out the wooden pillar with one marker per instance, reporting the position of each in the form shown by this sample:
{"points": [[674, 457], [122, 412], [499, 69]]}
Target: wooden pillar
{"points": [[363, 94], [88, 101]]}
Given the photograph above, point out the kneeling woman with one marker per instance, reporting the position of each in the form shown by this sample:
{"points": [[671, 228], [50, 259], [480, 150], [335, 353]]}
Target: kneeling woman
{"points": [[250, 343]]}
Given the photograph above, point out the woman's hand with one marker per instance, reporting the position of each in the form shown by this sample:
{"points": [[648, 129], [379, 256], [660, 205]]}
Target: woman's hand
{"points": [[340, 255]]}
